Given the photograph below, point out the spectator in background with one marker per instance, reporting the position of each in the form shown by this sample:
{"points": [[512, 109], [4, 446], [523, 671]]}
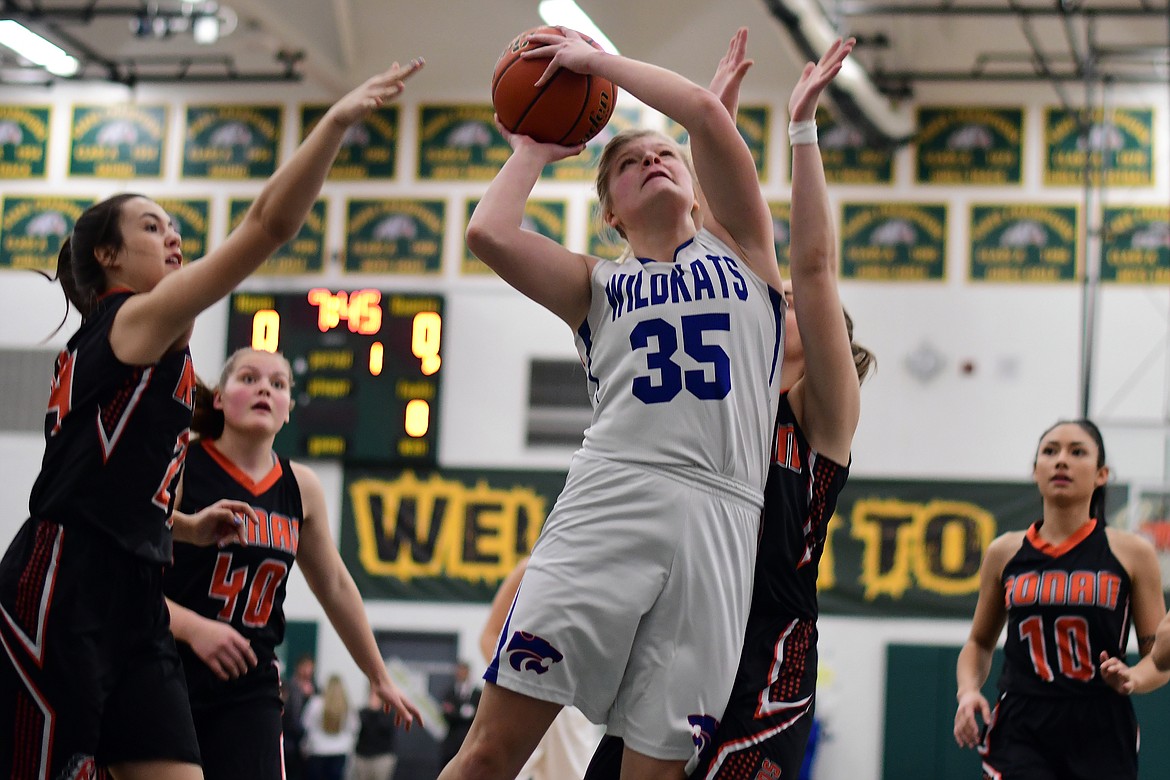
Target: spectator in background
{"points": [[373, 756], [297, 690], [459, 706], [330, 731]]}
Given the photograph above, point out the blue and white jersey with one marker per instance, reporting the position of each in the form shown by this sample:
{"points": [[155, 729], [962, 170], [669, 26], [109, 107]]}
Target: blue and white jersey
{"points": [[683, 361]]}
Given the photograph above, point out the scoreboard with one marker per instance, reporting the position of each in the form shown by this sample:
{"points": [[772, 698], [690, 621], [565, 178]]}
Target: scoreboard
{"points": [[366, 369]]}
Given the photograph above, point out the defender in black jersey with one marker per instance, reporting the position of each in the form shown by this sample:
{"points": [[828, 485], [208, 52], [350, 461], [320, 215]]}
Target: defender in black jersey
{"points": [[765, 727], [89, 674], [1067, 589], [227, 602]]}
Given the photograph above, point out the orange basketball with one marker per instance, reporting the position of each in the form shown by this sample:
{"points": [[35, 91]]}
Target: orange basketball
{"points": [[569, 109]]}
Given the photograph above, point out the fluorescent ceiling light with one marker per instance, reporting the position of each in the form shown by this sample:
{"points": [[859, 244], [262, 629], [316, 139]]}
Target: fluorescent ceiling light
{"points": [[36, 49], [206, 30], [566, 13]]}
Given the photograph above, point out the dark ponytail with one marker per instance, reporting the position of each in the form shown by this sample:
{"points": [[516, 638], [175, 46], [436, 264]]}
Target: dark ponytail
{"points": [[82, 277], [206, 421]]}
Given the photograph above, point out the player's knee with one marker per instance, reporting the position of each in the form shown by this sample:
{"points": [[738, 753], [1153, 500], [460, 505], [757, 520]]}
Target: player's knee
{"points": [[486, 759]]}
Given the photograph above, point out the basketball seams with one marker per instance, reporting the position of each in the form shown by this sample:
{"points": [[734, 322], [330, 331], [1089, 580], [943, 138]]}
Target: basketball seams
{"points": [[575, 128]]}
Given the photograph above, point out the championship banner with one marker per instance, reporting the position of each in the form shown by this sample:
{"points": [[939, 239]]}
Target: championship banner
{"points": [[440, 536], [192, 220], [32, 229], [305, 254], [1023, 243], [781, 234], [969, 145], [913, 549], [231, 142], [1118, 145], [894, 242], [394, 236], [123, 141], [583, 167], [847, 157], [546, 217], [459, 142], [24, 141], [755, 127], [1136, 245], [369, 149]]}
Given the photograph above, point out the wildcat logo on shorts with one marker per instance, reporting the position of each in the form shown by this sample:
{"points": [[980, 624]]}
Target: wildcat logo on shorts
{"points": [[703, 731], [81, 767], [528, 652]]}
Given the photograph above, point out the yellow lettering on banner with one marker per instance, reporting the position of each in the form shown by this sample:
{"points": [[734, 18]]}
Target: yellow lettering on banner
{"points": [[410, 528], [936, 547], [884, 528], [827, 570]]}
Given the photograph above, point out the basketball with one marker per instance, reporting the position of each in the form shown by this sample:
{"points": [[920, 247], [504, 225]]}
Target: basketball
{"points": [[568, 110]]}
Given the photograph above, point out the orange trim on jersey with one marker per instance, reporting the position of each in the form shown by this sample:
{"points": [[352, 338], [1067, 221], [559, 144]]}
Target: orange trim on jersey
{"points": [[1057, 550], [236, 473], [115, 291]]}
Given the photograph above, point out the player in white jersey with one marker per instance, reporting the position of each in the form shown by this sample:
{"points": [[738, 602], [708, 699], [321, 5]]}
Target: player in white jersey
{"points": [[634, 601]]}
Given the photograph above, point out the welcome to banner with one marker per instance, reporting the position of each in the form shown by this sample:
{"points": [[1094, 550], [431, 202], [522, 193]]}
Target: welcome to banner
{"points": [[895, 547]]}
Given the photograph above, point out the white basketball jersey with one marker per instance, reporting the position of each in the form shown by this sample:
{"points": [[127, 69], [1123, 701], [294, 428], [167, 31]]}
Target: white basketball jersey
{"points": [[683, 361]]}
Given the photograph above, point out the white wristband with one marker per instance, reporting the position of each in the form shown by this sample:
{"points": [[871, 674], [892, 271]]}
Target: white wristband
{"points": [[802, 132]]}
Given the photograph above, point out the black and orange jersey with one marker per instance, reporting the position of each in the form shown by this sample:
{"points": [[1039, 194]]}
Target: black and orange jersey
{"points": [[1065, 605], [115, 438], [243, 585]]}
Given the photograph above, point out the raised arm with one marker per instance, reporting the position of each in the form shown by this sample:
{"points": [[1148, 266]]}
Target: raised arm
{"points": [[148, 325], [533, 264], [334, 588], [828, 395], [723, 163]]}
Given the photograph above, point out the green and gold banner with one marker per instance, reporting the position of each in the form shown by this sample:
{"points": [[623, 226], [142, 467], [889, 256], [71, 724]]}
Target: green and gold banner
{"points": [[847, 157], [913, 548], [231, 142], [192, 219], [440, 536], [369, 149], [24, 141], [755, 127], [1118, 145], [305, 254], [459, 142], [546, 217], [969, 145], [894, 547], [1136, 244], [32, 229], [122, 141], [894, 242], [1024, 243], [395, 236], [781, 233]]}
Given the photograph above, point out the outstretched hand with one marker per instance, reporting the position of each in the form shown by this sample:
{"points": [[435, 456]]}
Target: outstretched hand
{"points": [[802, 103], [730, 71], [375, 91], [1117, 674], [394, 700]]}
